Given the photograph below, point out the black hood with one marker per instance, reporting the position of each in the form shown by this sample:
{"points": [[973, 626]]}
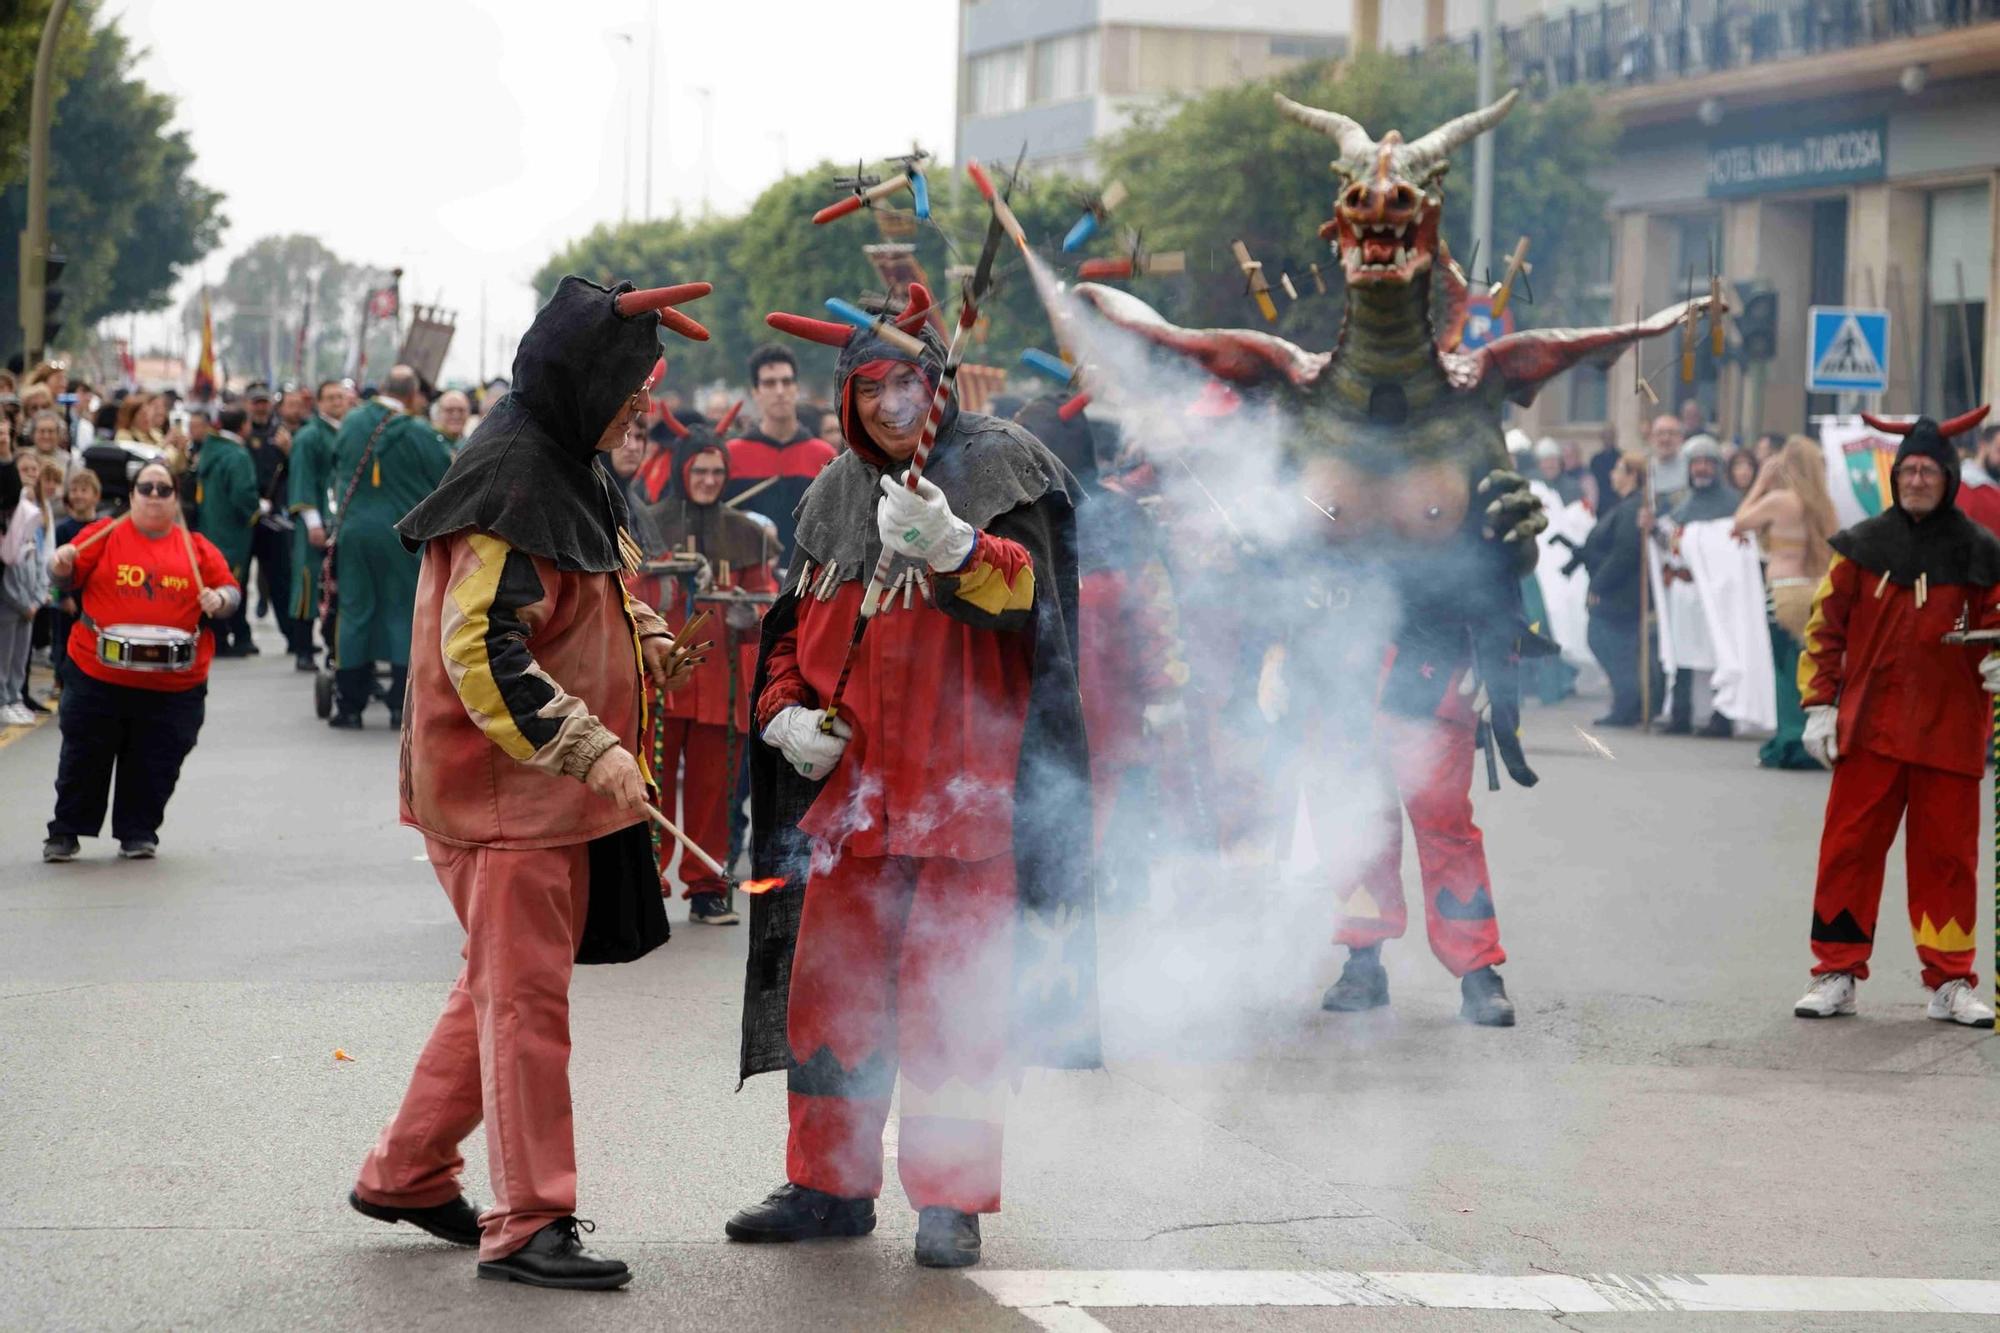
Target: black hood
{"points": [[865, 347], [700, 440], [1944, 546], [1925, 440], [1071, 441], [527, 475]]}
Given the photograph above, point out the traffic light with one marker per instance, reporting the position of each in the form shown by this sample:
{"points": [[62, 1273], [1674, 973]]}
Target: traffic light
{"points": [[52, 297], [1757, 322]]}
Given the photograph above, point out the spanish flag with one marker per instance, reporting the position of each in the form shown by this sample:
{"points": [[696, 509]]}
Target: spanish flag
{"points": [[204, 369]]}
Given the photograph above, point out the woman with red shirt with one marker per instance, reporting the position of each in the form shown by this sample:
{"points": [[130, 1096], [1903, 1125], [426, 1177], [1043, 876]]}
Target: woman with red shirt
{"points": [[143, 569]]}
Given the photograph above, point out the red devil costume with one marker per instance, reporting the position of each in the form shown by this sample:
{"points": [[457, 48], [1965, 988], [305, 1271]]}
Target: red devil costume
{"points": [[935, 915], [700, 729], [528, 668], [1907, 716]]}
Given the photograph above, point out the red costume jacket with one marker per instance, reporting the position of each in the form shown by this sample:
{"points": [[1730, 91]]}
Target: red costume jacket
{"points": [[1903, 692]]}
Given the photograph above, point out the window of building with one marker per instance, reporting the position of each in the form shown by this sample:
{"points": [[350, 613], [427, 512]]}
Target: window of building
{"points": [[1960, 249], [998, 81], [1065, 67], [1590, 384], [1304, 48], [1829, 279]]}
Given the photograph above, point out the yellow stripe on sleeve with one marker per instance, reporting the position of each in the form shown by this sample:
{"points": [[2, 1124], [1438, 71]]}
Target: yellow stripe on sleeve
{"points": [[465, 645]]}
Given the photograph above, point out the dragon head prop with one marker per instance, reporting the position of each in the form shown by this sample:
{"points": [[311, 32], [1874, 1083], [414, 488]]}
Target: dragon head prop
{"points": [[1385, 219]]}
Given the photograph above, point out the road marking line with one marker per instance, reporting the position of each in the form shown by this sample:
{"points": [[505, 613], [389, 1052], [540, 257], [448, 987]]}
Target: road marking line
{"points": [[1057, 1299]]}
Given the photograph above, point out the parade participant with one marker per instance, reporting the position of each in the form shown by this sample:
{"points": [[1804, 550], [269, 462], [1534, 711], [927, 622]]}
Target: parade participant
{"points": [[1670, 476], [1128, 633], [1901, 716], [1566, 485], [226, 502], [309, 497], [1685, 626], [701, 729], [1792, 515], [450, 416], [269, 442], [1611, 557], [386, 459], [519, 768], [780, 446], [932, 806], [133, 723]]}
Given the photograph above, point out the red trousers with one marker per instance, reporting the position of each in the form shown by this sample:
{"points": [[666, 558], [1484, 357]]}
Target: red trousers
{"points": [[1940, 857], [704, 785], [903, 962], [1429, 763], [500, 1050]]}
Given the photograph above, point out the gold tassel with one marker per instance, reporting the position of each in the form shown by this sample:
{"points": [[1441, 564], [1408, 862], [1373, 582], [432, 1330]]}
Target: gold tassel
{"points": [[1883, 583], [378, 474]]}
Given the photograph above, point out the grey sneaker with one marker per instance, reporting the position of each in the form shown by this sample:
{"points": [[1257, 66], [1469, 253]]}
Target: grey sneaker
{"points": [[138, 849], [61, 847]]}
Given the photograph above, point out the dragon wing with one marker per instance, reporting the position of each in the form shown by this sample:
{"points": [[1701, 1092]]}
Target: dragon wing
{"points": [[1527, 360], [1240, 356]]}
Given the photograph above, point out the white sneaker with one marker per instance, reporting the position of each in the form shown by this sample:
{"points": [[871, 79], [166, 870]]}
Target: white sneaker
{"points": [[1830, 995], [1954, 1002], [16, 715]]}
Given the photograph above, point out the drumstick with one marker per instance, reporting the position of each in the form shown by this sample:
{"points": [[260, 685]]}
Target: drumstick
{"points": [[194, 565], [101, 533], [687, 842]]}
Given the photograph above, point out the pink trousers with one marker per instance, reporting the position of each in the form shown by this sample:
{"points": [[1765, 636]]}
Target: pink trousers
{"points": [[500, 1050]]}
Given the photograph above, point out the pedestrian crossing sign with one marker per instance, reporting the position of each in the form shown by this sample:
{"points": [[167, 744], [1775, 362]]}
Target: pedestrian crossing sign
{"points": [[1848, 351]]}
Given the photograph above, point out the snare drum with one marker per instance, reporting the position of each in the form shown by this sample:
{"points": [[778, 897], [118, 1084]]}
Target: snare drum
{"points": [[146, 648]]}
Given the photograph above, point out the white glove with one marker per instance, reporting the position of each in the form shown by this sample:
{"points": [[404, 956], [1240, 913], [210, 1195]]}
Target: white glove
{"points": [[1822, 720], [795, 731], [919, 524], [1169, 715], [1989, 673]]}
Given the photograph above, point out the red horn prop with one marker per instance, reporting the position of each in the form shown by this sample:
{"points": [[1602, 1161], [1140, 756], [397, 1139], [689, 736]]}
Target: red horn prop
{"points": [[1887, 427], [1068, 411], [653, 377], [658, 298], [728, 418], [1964, 422], [676, 322], [812, 330], [914, 313], [674, 426]]}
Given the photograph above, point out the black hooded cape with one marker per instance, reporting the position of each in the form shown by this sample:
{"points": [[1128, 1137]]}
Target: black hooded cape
{"points": [[529, 476], [999, 478], [1944, 546]]}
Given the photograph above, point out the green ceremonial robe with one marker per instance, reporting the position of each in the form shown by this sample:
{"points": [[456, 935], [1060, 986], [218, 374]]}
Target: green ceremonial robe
{"points": [[310, 479], [376, 576], [225, 491]]}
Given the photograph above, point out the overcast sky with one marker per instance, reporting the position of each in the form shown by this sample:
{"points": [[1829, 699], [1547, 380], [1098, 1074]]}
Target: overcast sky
{"points": [[467, 139]]}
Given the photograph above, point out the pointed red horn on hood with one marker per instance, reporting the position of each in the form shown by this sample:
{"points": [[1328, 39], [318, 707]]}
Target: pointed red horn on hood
{"points": [[728, 419], [681, 324], [674, 426], [659, 298], [1887, 427], [812, 330], [1964, 422], [915, 312], [653, 377]]}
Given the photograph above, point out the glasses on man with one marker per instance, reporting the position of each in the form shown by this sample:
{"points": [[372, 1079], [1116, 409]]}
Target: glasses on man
{"points": [[158, 490], [778, 382], [712, 472], [1919, 470]]}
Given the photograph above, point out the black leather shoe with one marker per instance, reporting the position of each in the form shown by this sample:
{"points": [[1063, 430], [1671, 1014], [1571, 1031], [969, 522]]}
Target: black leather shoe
{"points": [[1486, 1001], [1363, 984], [456, 1221], [793, 1212], [1718, 728], [304, 662], [395, 719], [947, 1238], [555, 1257], [345, 722]]}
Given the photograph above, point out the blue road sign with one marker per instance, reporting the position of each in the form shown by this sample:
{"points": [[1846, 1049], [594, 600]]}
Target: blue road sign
{"points": [[1480, 326], [1848, 350]]}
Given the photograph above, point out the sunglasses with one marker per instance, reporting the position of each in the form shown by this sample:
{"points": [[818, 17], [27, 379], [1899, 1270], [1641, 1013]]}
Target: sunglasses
{"points": [[159, 490]]}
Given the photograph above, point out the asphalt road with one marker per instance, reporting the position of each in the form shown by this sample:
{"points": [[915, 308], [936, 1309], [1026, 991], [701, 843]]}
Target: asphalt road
{"points": [[177, 1140]]}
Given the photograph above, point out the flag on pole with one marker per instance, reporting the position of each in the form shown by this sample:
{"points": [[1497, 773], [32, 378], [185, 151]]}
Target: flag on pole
{"points": [[204, 369], [383, 303]]}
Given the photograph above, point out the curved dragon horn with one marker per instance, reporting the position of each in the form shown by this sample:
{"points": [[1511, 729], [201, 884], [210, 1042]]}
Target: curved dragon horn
{"points": [[659, 298], [1343, 130], [1964, 422], [812, 330], [913, 314], [1886, 426], [728, 419], [1439, 143]]}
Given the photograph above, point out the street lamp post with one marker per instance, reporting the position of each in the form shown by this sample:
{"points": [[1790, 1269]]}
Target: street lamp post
{"points": [[35, 236]]}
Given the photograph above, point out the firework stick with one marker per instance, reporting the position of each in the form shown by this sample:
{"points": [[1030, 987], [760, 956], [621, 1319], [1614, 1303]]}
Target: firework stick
{"points": [[1001, 212], [687, 842], [758, 489], [1517, 264], [842, 208]]}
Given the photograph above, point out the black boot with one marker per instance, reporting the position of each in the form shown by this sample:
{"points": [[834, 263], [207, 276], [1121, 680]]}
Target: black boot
{"points": [[947, 1238], [1680, 711], [793, 1212], [555, 1257], [456, 1221], [1363, 984], [1718, 727], [1486, 1001]]}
